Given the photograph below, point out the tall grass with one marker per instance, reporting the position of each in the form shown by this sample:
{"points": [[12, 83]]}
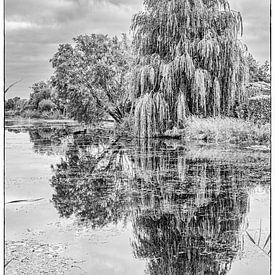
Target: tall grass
{"points": [[227, 130]]}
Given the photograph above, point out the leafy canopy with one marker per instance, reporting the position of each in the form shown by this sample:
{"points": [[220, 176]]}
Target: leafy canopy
{"points": [[39, 91], [257, 72], [90, 77], [46, 105]]}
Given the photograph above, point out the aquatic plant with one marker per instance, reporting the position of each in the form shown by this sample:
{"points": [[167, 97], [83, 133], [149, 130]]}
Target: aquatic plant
{"points": [[189, 61]]}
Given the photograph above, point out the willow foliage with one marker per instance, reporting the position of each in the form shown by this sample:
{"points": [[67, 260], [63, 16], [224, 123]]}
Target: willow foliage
{"points": [[189, 55]]}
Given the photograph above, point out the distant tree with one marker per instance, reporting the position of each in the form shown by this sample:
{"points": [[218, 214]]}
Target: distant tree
{"points": [[22, 104], [10, 104], [189, 61], [253, 66], [264, 72], [16, 104], [60, 103], [257, 72], [90, 77], [40, 91]]}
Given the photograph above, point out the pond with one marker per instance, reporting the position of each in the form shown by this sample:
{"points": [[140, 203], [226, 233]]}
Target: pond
{"points": [[95, 203]]}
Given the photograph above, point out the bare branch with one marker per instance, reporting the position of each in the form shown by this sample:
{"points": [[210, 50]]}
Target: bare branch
{"points": [[14, 83]]}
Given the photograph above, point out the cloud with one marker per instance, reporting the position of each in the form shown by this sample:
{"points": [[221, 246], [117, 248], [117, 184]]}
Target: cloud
{"points": [[14, 25], [35, 28], [256, 18]]}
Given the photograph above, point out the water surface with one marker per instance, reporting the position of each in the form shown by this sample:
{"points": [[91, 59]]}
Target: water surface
{"points": [[125, 206]]}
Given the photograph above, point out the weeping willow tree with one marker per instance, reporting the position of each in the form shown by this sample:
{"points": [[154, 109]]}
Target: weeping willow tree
{"points": [[190, 61]]}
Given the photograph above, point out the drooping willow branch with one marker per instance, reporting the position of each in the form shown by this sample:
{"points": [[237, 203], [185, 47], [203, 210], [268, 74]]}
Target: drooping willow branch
{"points": [[189, 61]]}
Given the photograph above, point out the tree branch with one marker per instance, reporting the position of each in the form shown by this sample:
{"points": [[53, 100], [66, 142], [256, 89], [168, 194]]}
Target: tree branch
{"points": [[14, 83]]}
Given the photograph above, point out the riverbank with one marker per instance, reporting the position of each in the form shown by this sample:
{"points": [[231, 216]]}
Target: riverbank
{"points": [[210, 130], [34, 115]]}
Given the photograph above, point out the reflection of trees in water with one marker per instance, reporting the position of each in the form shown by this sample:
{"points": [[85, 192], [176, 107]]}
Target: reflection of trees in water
{"points": [[54, 140], [186, 211], [83, 185], [48, 140]]}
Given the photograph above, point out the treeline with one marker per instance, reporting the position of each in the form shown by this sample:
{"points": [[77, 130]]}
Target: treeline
{"points": [[184, 60], [91, 79], [258, 72], [43, 103], [89, 84]]}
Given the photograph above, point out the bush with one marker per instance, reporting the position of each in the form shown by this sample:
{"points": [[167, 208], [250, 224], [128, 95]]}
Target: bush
{"points": [[257, 109], [46, 105], [56, 115], [45, 115], [30, 114]]}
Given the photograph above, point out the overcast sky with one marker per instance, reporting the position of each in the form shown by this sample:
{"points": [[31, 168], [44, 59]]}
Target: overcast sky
{"points": [[35, 28]]}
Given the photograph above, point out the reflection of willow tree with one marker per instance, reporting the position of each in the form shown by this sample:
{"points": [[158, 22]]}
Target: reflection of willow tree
{"points": [[189, 212], [190, 224], [187, 209]]}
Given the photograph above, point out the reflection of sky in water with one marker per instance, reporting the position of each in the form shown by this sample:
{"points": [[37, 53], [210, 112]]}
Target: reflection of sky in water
{"points": [[184, 208]]}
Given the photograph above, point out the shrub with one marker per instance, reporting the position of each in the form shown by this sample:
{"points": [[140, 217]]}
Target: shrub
{"points": [[230, 130], [30, 114], [55, 115], [45, 115], [46, 105], [257, 109], [51, 115]]}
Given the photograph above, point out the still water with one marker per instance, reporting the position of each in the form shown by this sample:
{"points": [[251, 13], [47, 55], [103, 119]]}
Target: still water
{"points": [[107, 205]]}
